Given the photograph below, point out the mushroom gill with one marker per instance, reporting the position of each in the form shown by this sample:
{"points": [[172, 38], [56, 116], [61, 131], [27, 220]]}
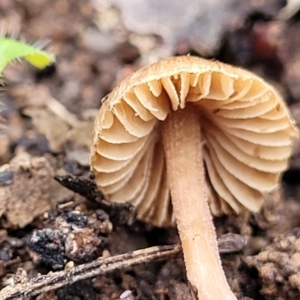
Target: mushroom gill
{"points": [[246, 129]]}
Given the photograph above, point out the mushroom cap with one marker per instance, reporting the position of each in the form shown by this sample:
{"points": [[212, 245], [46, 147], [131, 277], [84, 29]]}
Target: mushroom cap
{"points": [[246, 130]]}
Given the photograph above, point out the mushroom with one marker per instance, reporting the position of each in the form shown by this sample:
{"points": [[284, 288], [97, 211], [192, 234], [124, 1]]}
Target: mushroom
{"points": [[213, 136]]}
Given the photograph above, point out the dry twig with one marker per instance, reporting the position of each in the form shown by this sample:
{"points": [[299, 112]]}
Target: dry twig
{"points": [[101, 266], [228, 243]]}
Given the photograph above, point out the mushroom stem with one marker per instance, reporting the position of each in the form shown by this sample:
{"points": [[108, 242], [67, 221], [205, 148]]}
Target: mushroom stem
{"points": [[181, 135]]}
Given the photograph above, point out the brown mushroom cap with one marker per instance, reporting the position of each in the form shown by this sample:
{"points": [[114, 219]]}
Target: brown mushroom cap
{"points": [[246, 128]]}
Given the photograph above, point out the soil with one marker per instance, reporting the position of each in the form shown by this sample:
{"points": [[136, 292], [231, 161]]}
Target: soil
{"points": [[52, 217]]}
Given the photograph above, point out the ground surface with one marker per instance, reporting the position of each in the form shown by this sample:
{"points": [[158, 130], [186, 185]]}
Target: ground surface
{"points": [[52, 224]]}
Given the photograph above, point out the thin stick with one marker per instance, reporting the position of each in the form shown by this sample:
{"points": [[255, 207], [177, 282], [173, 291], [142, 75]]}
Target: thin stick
{"points": [[228, 243], [101, 266], [60, 110]]}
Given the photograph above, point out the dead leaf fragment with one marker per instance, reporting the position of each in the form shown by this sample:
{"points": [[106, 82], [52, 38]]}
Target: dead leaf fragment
{"points": [[63, 130], [49, 124], [26, 197]]}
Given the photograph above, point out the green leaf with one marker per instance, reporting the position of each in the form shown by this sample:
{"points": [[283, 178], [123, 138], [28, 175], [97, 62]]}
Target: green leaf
{"points": [[12, 49]]}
